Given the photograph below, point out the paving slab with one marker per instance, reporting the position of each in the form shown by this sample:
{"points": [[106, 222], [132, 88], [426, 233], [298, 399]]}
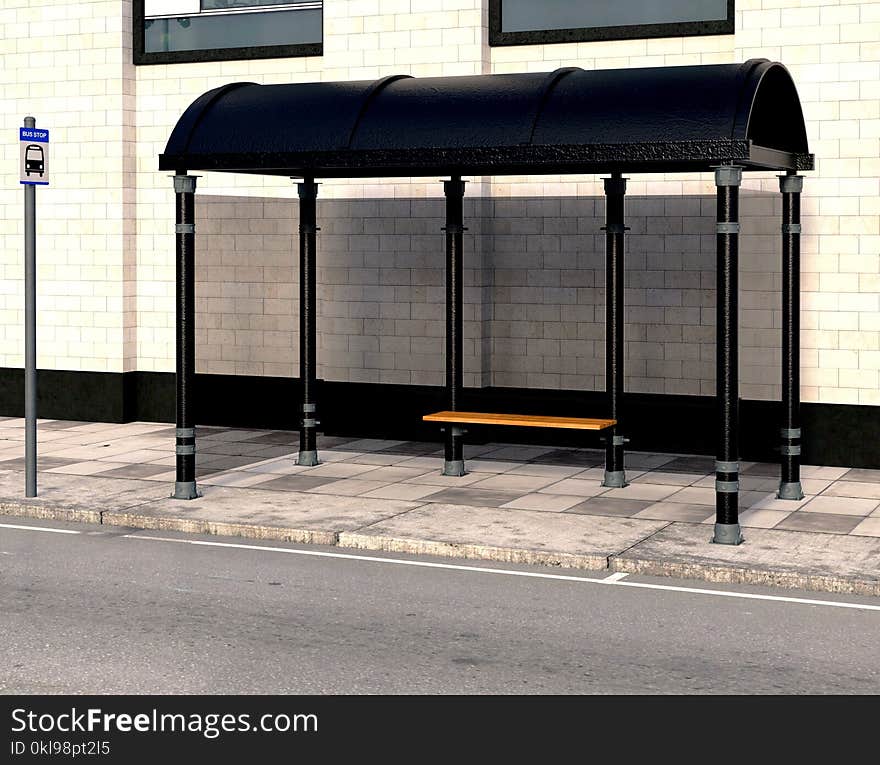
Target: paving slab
{"points": [[794, 559], [74, 498], [260, 514], [512, 536]]}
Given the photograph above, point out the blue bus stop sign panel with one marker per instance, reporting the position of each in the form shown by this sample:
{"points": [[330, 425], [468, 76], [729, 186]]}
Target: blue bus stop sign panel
{"points": [[34, 143]]}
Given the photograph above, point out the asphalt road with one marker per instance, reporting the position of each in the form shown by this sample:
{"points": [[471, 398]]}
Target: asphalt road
{"points": [[107, 610]]}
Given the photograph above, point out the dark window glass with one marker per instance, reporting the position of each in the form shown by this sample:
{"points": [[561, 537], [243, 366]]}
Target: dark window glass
{"points": [[240, 30], [521, 22], [529, 15], [220, 5]]}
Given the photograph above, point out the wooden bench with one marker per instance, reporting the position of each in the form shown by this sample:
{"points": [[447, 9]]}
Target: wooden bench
{"points": [[457, 468], [523, 420]]}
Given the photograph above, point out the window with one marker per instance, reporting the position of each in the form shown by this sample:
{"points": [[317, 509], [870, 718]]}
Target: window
{"points": [[526, 22], [172, 31]]}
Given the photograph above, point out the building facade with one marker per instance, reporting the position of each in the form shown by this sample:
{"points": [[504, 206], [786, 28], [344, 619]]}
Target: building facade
{"points": [[110, 78]]}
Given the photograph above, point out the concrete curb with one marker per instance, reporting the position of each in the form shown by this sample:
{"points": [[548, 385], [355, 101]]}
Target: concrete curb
{"points": [[49, 512], [359, 541], [629, 562], [728, 574], [219, 528]]}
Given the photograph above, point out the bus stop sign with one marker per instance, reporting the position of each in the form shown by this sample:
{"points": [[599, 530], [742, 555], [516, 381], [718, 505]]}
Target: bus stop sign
{"points": [[34, 144]]}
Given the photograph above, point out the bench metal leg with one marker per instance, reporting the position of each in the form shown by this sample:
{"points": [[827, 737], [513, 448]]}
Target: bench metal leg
{"points": [[615, 188], [453, 463]]}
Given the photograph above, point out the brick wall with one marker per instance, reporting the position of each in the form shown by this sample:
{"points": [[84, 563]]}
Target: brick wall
{"points": [[535, 281], [69, 65], [832, 51], [380, 255]]}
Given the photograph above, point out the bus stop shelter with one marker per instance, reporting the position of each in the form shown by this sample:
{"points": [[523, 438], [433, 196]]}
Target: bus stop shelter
{"points": [[725, 119]]}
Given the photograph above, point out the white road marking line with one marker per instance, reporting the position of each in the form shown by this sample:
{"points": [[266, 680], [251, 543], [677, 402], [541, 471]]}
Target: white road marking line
{"points": [[38, 528], [613, 579], [369, 558], [751, 596]]}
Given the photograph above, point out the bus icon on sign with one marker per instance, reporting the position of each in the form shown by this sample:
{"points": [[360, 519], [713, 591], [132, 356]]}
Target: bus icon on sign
{"points": [[34, 160], [33, 156]]}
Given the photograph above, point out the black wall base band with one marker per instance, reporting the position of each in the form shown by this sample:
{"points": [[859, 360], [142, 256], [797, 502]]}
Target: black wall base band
{"points": [[661, 423]]}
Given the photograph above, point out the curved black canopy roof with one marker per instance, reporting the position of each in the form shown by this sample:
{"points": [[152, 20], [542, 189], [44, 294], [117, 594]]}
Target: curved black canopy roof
{"points": [[664, 119]]}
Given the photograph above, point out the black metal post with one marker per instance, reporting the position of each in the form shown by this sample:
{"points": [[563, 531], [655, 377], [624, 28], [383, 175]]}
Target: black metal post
{"points": [[791, 186], [185, 233], [308, 194], [453, 463], [727, 528], [615, 188]]}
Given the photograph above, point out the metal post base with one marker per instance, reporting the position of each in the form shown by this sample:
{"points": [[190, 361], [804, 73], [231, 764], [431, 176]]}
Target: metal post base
{"points": [[308, 459], [454, 467], [791, 490], [728, 534], [615, 479], [185, 490]]}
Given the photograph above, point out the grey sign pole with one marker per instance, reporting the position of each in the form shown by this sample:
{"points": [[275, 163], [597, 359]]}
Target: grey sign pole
{"points": [[30, 333]]}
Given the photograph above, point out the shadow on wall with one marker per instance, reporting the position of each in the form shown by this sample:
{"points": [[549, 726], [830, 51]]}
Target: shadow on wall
{"points": [[534, 291]]}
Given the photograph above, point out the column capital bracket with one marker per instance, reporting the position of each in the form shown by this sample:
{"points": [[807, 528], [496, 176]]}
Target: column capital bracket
{"points": [[185, 184], [615, 184], [307, 189], [728, 175], [454, 187], [791, 184]]}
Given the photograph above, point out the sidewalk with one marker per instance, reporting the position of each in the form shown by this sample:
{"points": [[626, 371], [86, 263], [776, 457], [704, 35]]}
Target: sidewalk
{"points": [[520, 504]]}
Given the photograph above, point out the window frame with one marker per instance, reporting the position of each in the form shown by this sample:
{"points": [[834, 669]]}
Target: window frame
{"points": [[498, 38], [141, 56]]}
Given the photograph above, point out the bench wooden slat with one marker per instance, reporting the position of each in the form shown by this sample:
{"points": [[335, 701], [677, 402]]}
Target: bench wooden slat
{"points": [[524, 420]]}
